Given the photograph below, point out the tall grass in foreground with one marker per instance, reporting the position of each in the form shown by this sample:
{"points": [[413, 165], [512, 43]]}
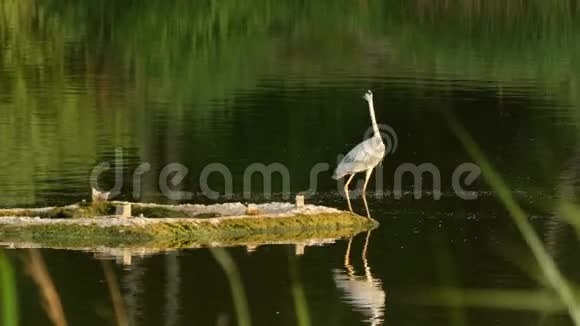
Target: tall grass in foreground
{"points": [[52, 304], [116, 296], [300, 304], [240, 299], [9, 297], [39, 273], [554, 278], [238, 294]]}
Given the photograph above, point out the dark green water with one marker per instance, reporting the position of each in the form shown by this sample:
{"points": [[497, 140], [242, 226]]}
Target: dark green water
{"points": [[238, 83]]}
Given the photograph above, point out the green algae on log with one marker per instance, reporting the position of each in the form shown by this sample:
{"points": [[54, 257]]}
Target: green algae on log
{"points": [[169, 226]]}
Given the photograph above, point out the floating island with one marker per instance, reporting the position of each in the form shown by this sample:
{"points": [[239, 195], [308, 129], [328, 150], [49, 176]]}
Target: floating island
{"points": [[141, 226]]}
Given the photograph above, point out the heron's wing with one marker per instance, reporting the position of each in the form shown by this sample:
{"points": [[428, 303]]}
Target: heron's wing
{"points": [[362, 157]]}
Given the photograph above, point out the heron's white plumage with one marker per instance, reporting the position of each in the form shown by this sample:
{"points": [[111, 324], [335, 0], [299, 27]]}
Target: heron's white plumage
{"points": [[363, 156]]}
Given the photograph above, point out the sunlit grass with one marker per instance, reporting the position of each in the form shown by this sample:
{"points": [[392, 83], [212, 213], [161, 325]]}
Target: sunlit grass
{"points": [[115, 292], [570, 213], [236, 285], [548, 267], [48, 292], [9, 303], [300, 303]]}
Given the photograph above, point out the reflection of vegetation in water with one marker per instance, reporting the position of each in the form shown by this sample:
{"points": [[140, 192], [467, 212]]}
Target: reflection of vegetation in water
{"points": [[100, 69], [98, 73], [172, 287]]}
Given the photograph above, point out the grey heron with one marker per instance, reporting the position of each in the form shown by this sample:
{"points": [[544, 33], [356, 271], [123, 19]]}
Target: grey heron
{"points": [[363, 157]]}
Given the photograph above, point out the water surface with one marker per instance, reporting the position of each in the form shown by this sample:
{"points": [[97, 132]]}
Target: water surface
{"points": [[266, 82]]}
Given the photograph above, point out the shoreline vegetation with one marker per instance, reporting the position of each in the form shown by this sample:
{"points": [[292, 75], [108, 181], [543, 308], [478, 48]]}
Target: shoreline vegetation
{"points": [[87, 226]]}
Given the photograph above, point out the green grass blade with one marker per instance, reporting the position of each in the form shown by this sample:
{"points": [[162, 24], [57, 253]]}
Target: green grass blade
{"points": [[547, 265], [8, 292], [300, 304], [238, 294]]}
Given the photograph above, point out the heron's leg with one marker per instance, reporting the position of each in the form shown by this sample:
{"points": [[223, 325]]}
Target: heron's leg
{"points": [[347, 265], [364, 257], [346, 191], [364, 190]]}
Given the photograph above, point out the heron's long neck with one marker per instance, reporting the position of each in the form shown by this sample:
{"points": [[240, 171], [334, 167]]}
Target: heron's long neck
{"points": [[373, 119]]}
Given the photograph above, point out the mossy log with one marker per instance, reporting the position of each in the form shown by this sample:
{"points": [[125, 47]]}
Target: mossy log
{"points": [[166, 226]]}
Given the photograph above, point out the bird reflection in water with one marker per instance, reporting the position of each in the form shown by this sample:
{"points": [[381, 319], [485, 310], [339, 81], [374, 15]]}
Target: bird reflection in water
{"points": [[364, 293]]}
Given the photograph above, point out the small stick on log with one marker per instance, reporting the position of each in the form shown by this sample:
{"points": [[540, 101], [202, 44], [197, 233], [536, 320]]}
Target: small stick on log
{"points": [[123, 210], [252, 210], [299, 201]]}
